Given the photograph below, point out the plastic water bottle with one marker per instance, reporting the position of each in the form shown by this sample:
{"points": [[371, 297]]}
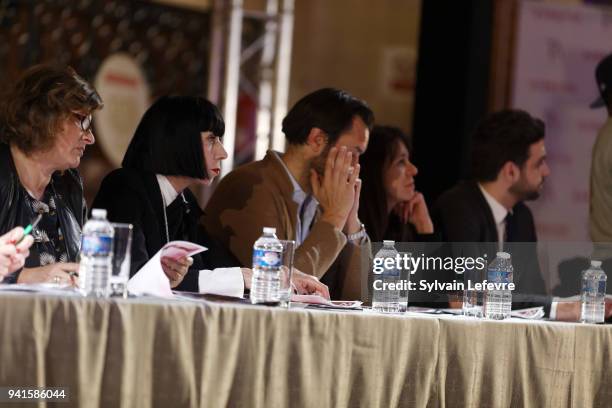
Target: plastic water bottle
{"points": [[473, 296], [498, 303], [267, 257], [593, 294], [386, 299], [405, 279], [96, 263]]}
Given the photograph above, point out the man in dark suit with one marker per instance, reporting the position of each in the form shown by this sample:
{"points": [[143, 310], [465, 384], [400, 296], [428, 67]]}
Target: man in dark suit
{"points": [[508, 167]]}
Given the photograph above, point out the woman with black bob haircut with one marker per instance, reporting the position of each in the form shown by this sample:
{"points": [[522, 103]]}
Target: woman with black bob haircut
{"points": [[390, 207], [177, 144]]}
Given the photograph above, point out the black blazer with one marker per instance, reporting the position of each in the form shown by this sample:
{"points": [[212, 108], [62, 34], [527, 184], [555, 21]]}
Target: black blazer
{"points": [[462, 214], [134, 197]]}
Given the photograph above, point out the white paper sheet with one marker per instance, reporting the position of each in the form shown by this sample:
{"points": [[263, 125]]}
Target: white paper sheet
{"points": [[151, 279], [320, 301]]}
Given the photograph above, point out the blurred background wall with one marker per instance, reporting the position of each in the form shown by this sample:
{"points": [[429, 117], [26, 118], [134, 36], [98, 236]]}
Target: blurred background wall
{"points": [[368, 48]]}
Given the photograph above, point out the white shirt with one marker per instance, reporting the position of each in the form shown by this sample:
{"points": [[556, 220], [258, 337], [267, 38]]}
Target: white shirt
{"points": [[499, 215], [219, 281], [167, 191]]}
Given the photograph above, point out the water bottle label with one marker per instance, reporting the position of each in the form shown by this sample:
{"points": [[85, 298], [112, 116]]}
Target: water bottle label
{"points": [[593, 288], [393, 271], [266, 259], [497, 276], [99, 245]]}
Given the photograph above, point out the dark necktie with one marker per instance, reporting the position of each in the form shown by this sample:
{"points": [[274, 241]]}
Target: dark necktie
{"points": [[509, 234]]}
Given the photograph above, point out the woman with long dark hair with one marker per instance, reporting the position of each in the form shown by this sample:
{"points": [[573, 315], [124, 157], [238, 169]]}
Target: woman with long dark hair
{"points": [[390, 207]]}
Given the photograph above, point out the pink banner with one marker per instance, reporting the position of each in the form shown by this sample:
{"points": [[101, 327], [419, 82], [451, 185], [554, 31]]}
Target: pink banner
{"points": [[558, 47]]}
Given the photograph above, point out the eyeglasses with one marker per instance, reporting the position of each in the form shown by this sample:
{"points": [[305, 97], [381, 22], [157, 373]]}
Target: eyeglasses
{"points": [[84, 122]]}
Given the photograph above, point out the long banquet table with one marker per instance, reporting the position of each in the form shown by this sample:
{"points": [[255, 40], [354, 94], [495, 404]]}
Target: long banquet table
{"points": [[165, 353]]}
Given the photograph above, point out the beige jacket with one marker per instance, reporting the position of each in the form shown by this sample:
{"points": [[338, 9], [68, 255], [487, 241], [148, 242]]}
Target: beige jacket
{"points": [[600, 214], [258, 195]]}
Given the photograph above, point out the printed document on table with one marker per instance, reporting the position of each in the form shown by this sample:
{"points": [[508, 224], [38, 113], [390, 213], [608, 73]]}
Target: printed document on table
{"points": [[151, 279]]}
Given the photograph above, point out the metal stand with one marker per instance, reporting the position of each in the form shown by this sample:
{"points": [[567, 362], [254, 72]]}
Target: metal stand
{"points": [[228, 55]]}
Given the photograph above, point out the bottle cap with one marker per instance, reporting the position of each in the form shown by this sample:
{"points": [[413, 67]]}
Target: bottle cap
{"points": [[503, 255], [388, 242], [596, 264], [98, 213], [269, 230]]}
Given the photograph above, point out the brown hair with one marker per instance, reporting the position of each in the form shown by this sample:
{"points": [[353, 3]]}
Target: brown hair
{"points": [[35, 107]]}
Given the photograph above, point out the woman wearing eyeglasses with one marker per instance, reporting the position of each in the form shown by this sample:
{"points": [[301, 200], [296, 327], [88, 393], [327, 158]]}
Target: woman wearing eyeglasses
{"points": [[45, 126], [177, 145]]}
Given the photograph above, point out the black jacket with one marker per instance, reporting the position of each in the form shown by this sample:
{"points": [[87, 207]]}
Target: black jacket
{"points": [[462, 215], [14, 210], [134, 197]]}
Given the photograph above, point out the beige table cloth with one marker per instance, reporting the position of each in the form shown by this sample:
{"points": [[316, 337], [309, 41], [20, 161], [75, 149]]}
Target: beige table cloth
{"points": [[154, 353]]}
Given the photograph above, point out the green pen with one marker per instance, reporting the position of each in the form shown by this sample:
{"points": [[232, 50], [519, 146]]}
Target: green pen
{"points": [[27, 230]]}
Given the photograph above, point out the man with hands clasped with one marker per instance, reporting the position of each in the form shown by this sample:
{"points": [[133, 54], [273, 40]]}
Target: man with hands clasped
{"points": [[337, 190], [310, 193]]}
